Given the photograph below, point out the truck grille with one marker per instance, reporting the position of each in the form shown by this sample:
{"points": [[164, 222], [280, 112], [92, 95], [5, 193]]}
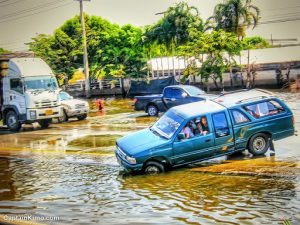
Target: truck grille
{"points": [[80, 106], [46, 104]]}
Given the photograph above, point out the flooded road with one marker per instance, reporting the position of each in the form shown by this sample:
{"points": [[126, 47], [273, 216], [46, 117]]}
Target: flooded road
{"points": [[69, 171]]}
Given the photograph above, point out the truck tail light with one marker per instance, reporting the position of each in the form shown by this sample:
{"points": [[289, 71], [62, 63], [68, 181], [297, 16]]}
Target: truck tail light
{"points": [[293, 120]]}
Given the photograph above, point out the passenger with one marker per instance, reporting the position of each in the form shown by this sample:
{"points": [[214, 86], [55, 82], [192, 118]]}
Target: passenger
{"points": [[203, 125], [188, 132], [198, 126], [192, 126]]}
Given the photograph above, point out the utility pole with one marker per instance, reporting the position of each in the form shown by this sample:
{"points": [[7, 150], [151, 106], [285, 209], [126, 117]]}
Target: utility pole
{"points": [[85, 53]]}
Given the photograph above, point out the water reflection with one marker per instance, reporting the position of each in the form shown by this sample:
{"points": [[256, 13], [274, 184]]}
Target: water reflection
{"points": [[81, 189]]}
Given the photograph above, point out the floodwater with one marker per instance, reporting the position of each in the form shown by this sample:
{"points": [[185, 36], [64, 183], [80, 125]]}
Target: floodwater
{"points": [[69, 171]]}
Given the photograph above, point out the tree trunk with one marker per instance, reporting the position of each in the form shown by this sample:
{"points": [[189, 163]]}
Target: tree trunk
{"points": [[248, 85], [169, 71], [162, 66], [157, 70], [173, 64], [215, 82]]}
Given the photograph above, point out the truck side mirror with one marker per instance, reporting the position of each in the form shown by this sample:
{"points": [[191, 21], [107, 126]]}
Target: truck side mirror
{"points": [[184, 95], [181, 136]]}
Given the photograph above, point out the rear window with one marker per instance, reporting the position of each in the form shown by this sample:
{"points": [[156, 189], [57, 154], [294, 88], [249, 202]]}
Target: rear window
{"points": [[239, 117], [263, 109], [221, 124]]}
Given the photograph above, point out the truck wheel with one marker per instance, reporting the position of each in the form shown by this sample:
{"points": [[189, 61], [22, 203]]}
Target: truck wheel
{"points": [[153, 167], [259, 144], [63, 118], [152, 110], [82, 117], [45, 123], [12, 121]]}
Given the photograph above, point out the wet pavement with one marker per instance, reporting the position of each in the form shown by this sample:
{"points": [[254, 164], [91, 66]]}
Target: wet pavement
{"points": [[69, 171]]}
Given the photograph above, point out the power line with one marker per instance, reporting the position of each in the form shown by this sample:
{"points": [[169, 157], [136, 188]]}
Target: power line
{"points": [[11, 3], [17, 18], [280, 21], [4, 1], [283, 8], [30, 9]]}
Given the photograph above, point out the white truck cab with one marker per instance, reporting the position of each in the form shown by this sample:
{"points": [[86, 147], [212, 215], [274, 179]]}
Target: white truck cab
{"points": [[30, 94]]}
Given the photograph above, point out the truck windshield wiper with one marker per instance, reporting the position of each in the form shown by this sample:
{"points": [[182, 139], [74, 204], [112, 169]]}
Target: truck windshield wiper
{"points": [[157, 133]]}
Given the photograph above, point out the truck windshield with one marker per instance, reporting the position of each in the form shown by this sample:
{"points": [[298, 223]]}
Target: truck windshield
{"points": [[41, 83], [193, 91], [167, 125]]}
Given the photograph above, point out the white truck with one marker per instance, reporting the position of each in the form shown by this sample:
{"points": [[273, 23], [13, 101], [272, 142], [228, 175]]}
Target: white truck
{"points": [[30, 93]]}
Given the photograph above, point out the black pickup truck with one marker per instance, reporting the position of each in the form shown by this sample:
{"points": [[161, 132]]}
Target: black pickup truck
{"points": [[172, 96]]}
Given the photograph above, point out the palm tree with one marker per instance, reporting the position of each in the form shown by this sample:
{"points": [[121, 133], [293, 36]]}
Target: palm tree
{"points": [[174, 28], [236, 16]]}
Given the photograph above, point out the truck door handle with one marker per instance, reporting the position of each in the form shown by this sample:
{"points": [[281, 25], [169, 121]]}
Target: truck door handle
{"points": [[207, 140], [170, 99], [11, 97]]}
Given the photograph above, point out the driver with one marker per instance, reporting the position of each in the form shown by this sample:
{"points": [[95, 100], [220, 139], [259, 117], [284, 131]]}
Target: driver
{"points": [[187, 132], [202, 126]]}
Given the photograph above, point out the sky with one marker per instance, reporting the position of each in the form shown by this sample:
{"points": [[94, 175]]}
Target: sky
{"points": [[20, 20]]}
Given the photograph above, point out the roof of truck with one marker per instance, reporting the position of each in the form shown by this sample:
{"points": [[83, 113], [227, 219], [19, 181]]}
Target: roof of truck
{"points": [[197, 108], [234, 98], [28, 67]]}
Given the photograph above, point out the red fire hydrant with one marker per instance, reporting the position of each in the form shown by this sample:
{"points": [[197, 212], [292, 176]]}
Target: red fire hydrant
{"points": [[100, 104]]}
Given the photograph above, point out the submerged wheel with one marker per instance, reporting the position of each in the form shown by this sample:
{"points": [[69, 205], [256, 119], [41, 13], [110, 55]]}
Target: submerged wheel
{"points": [[259, 144], [82, 117], [45, 123], [63, 118], [12, 121], [153, 167], [152, 110]]}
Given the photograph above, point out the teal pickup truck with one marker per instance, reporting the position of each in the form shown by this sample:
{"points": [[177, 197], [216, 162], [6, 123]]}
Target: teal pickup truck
{"points": [[190, 133]]}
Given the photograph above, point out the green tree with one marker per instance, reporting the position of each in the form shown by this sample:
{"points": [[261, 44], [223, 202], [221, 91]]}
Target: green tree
{"points": [[219, 48], [113, 51], [2, 50], [173, 29], [236, 16], [250, 43]]}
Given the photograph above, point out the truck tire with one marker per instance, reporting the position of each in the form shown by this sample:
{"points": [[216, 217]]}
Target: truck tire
{"points": [[82, 117], [259, 144], [153, 167], [12, 121], [63, 118], [45, 123], [152, 110]]}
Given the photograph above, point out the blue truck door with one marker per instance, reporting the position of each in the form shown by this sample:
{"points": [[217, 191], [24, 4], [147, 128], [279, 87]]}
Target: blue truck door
{"points": [[224, 137], [174, 96], [193, 149]]}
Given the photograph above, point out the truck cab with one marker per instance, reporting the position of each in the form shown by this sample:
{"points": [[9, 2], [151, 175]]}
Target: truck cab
{"points": [[30, 94]]}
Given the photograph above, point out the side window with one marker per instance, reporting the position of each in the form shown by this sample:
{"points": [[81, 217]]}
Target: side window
{"points": [[221, 124], [16, 85], [275, 107], [168, 93], [196, 127], [263, 109], [177, 93], [239, 117]]}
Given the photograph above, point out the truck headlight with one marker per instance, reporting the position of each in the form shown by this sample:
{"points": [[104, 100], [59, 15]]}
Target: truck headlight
{"points": [[32, 114], [131, 160]]}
